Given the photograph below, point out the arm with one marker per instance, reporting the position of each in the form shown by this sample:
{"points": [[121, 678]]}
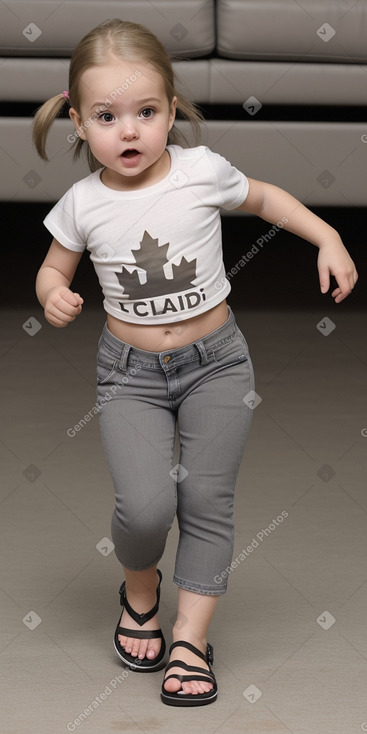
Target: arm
{"points": [[61, 305], [272, 203]]}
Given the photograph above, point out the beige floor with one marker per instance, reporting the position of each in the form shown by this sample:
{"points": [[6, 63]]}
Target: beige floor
{"points": [[289, 638]]}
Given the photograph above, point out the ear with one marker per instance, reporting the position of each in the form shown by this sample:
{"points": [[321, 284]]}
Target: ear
{"points": [[75, 117], [172, 114]]}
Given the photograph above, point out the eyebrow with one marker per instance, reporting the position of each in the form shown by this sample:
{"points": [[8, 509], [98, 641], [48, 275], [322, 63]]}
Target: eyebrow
{"points": [[139, 101]]}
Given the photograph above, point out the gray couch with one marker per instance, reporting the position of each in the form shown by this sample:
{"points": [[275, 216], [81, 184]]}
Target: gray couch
{"points": [[251, 56]]}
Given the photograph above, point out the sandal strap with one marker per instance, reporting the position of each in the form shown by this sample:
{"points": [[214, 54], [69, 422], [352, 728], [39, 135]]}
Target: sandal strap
{"points": [[184, 678], [140, 634], [192, 648], [181, 664], [140, 618], [190, 669]]}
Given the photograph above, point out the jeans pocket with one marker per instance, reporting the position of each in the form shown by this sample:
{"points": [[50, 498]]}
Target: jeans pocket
{"points": [[106, 366], [231, 353]]}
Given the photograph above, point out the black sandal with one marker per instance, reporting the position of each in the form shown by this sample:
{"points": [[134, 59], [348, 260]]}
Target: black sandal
{"points": [[134, 663], [191, 699]]}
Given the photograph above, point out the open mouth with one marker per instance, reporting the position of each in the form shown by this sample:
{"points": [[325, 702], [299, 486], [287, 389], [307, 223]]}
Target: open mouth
{"points": [[131, 153]]}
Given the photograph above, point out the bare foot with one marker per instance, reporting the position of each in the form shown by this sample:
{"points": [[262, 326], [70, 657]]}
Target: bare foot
{"points": [[133, 645], [196, 686]]}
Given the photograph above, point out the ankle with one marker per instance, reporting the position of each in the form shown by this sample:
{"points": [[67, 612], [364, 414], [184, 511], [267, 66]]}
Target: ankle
{"points": [[141, 583], [188, 635], [142, 601]]}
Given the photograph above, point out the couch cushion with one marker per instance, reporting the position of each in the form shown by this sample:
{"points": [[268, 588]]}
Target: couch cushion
{"points": [[214, 81], [320, 163], [53, 28], [282, 82], [35, 80], [301, 30]]}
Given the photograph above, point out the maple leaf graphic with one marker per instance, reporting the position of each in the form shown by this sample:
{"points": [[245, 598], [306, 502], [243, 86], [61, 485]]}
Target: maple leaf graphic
{"points": [[151, 257]]}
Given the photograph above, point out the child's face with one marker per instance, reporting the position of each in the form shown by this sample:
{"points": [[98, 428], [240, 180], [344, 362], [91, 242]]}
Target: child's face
{"points": [[124, 107]]}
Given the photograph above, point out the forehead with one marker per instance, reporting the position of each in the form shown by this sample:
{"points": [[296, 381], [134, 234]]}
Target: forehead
{"points": [[130, 78]]}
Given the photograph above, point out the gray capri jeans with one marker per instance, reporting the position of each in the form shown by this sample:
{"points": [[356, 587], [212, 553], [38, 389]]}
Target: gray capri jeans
{"points": [[141, 396]]}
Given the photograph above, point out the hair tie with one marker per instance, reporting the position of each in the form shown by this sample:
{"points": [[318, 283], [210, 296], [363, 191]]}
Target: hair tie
{"points": [[66, 94]]}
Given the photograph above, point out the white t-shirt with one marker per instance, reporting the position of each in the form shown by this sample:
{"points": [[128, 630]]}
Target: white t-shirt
{"points": [[157, 251]]}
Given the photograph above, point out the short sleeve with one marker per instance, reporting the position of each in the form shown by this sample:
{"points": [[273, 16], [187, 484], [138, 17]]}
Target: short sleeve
{"points": [[61, 222], [232, 184]]}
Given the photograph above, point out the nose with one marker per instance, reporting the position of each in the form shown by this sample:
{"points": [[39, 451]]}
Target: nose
{"points": [[128, 130]]}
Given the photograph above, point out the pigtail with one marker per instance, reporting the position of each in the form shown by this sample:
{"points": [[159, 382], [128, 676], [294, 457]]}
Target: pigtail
{"points": [[43, 120]]}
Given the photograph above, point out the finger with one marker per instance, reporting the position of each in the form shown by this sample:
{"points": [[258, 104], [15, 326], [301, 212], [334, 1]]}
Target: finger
{"points": [[346, 287], [64, 307], [70, 297], [80, 299], [344, 284], [324, 280], [339, 294], [60, 314], [56, 322]]}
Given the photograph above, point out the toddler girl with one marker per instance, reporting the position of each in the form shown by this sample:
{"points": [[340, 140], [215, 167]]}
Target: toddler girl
{"points": [[170, 351]]}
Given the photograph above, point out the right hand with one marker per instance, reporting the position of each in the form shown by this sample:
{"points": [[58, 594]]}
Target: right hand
{"points": [[62, 306]]}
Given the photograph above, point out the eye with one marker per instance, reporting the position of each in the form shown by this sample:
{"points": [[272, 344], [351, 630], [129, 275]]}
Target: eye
{"points": [[106, 117], [147, 113]]}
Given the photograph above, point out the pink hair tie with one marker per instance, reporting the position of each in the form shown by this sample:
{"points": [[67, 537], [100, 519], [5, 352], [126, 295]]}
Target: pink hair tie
{"points": [[66, 94]]}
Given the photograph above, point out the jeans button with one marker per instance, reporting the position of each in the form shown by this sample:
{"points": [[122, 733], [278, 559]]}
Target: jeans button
{"points": [[166, 359]]}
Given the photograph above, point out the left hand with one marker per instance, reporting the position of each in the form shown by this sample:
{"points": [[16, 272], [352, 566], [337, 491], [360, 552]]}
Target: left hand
{"points": [[333, 259]]}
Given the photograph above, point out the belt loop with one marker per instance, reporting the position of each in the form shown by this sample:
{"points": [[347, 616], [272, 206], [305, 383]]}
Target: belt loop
{"points": [[124, 357], [202, 351]]}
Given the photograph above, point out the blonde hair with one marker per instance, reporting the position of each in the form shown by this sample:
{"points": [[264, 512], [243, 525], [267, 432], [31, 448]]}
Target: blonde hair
{"points": [[124, 40]]}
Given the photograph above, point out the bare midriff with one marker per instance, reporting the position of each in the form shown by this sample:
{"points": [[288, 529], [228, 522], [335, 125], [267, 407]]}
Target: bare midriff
{"points": [[162, 337]]}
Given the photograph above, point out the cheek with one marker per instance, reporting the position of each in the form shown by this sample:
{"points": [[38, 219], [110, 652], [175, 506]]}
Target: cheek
{"points": [[157, 135], [96, 139]]}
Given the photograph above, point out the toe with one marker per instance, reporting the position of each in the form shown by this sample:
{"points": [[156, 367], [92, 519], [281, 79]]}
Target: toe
{"points": [[129, 644], [123, 641], [172, 685], [153, 649], [196, 687], [135, 648], [142, 649]]}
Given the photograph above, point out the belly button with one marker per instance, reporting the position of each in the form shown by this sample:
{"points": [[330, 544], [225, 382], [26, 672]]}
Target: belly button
{"points": [[167, 333]]}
